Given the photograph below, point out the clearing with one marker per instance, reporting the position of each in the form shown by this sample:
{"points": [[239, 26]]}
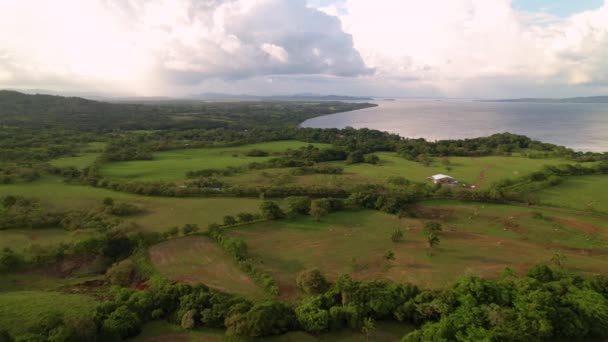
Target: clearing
{"points": [[195, 259], [173, 165]]}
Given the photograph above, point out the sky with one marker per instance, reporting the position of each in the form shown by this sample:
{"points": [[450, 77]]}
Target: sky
{"points": [[399, 48]]}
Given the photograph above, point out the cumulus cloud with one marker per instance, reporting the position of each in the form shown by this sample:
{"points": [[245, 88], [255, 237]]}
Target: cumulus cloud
{"points": [[183, 41], [472, 48], [456, 43]]}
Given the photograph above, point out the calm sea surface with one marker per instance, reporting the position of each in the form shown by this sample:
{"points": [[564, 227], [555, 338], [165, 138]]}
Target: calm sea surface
{"points": [[579, 126]]}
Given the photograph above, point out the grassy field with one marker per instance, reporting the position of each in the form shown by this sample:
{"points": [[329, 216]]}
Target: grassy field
{"points": [[84, 158], [173, 165], [584, 193], [20, 239], [160, 212], [477, 240], [162, 331], [195, 259], [480, 171], [21, 310]]}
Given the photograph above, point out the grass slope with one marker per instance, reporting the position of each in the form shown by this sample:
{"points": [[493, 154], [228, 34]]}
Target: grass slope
{"points": [[173, 165], [583, 193], [161, 331], [20, 239], [195, 259], [479, 171], [21, 310], [477, 240], [86, 157], [160, 212]]}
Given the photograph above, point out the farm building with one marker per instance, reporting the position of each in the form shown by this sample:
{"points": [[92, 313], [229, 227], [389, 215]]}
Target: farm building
{"points": [[443, 179]]}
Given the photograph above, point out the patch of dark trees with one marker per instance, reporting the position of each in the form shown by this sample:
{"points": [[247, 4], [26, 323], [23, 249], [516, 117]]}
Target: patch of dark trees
{"points": [[544, 305]]}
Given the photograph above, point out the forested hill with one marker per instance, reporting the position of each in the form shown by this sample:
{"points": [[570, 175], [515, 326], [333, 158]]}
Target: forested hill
{"points": [[589, 99], [48, 111]]}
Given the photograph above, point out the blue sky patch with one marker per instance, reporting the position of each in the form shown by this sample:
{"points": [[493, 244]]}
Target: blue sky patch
{"points": [[562, 8]]}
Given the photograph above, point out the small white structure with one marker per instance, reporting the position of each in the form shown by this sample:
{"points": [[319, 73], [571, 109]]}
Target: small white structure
{"points": [[443, 179]]}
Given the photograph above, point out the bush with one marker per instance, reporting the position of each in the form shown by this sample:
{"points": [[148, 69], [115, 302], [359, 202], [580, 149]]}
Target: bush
{"points": [[312, 281], [397, 235], [298, 204], [245, 217], [187, 321], [229, 220], [122, 273], [271, 211], [189, 228], [320, 208]]}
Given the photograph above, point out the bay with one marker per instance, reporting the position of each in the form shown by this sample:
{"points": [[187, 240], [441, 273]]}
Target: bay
{"points": [[580, 126]]}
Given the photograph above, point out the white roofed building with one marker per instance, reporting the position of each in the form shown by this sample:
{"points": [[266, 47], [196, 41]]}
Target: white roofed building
{"points": [[443, 179]]}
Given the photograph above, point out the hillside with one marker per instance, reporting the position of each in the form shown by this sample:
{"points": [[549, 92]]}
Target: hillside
{"points": [[49, 111]]}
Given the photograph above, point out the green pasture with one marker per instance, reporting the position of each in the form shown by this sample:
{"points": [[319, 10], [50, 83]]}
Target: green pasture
{"points": [[195, 259], [159, 212], [478, 171], [477, 240], [173, 165], [84, 158], [162, 331], [589, 193], [21, 239], [21, 310]]}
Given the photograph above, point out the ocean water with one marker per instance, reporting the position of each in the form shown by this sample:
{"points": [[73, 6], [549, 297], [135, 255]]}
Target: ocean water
{"points": [[582, 127]]}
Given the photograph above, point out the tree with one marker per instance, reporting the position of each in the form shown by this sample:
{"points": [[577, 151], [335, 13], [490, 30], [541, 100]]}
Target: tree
{"points": [[389, 255], [397, 235], [446, 162], [371, 159], [432, 227], [368, 327], [271, 211], [355, 157], [432, 239], [298, 204], [121, 323], [424, 160], [245, 217], [312, 281], [263, 319], [5, 336], [188, 320], [9, 201], [190, 228], [559, 259], [9, 260], [320, 208], [108, 201], [311, 315], [121, 273], [229, 220], [171, 232]]}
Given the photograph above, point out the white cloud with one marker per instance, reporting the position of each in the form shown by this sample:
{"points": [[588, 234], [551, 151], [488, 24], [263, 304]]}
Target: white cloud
{"points": [[152, 45], [394, 47], [453, 43], [276, 52]]}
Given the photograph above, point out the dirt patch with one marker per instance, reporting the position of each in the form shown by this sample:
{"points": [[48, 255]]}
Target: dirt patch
{"points": [[581, 226], [481, 177], [434, 213]]}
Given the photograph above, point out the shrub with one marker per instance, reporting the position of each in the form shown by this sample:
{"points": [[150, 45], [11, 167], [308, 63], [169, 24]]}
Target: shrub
{"points": [[121, 273], [271, 211], [312, 281], [298, 204]]}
